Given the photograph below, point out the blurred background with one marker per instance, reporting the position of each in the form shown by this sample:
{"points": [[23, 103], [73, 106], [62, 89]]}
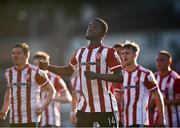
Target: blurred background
{"points": [[59, 27]]}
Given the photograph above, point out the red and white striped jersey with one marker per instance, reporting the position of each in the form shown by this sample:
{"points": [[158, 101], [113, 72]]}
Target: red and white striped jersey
{"points": [[95, 94], [51, 115], [75, 84], [138, 85], [170, 88], [117, 88], [25, 87]]}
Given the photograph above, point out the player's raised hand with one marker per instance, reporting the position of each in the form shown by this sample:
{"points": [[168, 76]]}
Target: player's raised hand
{"points": [[43, 65]]}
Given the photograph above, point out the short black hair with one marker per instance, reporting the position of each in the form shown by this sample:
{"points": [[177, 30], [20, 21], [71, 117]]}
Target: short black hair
{"points": [[24, 46], [103, 23]]}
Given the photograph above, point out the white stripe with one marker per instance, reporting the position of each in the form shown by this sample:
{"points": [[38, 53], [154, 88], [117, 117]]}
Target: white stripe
{"points": [[94, 84], [23, 95], [115, 67], [14, 80]]}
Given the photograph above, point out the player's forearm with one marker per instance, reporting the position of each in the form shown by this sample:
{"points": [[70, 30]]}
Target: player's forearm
{"points": [[6, 104], [64, 98], [61, 70], [172, 102], [160, 105], [50, 95], [116, 77], [74, 103]]}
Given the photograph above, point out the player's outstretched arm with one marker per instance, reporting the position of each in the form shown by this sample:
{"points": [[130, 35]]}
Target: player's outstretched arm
{"points": [[59, 70], [50, 95], [160, 105], [117, 76]]}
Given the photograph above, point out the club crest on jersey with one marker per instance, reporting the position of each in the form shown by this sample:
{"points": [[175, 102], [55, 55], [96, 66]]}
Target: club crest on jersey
{"points": [[136, 79], [26, 76], [98, 56]]}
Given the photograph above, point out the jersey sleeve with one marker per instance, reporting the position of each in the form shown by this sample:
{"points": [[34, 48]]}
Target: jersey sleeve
{"points": [[41, 77], [113, 60], [7, 78], [177, 88], [150, 82], [59, 84], [73, 60]]}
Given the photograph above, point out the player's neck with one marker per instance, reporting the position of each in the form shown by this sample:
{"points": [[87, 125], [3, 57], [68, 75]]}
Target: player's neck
{"points": [[20, 66], [95, 42], [131, 67], [165, 72]]}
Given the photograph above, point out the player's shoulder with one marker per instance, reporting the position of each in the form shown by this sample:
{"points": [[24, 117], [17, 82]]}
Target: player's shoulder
{"points": [[51, 74], [33, 67], [107, 47], [156, 73], [144, 70], [174, 74], [9, 69]]}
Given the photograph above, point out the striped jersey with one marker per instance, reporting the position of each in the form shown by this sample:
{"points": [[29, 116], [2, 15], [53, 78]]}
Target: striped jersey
{"points": [[75, 84], [170, 88], [51, 115], [118, 88], [95, 94], [137, 85], [25, 87]]}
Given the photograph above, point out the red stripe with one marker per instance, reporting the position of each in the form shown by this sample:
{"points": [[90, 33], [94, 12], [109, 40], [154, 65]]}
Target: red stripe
{"points": [[80, 72], [47, 115], [19, 73], [112, 108], [12, 98], [100, 89], [129, 97], [136, 97], [28, 96], [88, 81], [168, 106]]}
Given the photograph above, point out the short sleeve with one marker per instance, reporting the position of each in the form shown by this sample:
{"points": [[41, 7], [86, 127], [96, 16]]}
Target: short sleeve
{"points": [[8, 78], [150, 82], [177, 88], [113, 60], [41, 77], [73, 61], [59, 84]]}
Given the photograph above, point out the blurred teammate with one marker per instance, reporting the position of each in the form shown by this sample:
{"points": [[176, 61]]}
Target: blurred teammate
{"points": [[22, 94], [118, 88], [51, 116], [98, 66], [75, 92], [169, 84], [138, 83]]}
